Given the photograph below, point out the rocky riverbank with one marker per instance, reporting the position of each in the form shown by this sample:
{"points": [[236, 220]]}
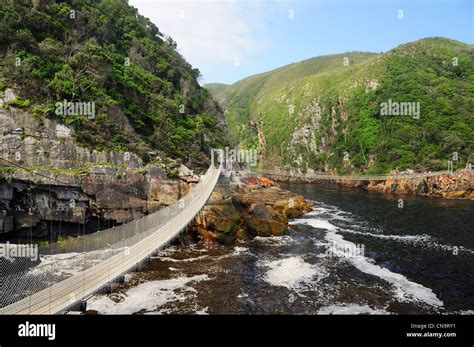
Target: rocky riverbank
{"points": [[459, 184], [256, 207]]}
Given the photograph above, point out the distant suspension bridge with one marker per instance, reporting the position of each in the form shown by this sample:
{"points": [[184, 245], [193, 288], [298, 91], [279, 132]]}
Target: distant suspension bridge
{"points": [[331, 177]]}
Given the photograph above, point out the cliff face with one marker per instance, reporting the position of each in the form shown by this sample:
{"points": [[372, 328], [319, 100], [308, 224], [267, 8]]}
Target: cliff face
{"points": [[68, 169], [75, 186], [69, 202], [456, 185], [141, 95], [459, 184], [29, 141]]}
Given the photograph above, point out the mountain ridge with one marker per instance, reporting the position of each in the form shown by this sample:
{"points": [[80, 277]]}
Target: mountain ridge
{"points": [[315, 121]]}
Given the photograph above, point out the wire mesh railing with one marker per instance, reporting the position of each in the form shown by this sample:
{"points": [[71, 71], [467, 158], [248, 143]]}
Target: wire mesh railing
{"points": [[74, 269]]}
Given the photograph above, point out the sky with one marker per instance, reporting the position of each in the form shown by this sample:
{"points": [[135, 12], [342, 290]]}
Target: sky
{"points": [[228, 40]]}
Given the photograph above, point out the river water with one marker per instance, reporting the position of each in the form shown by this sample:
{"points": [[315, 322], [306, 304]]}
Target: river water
{"points": [[355, 253]]}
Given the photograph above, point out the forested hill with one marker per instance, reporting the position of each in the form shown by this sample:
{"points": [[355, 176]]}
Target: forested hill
{"points": [[334, 113], [216, 88], [147, 98]]}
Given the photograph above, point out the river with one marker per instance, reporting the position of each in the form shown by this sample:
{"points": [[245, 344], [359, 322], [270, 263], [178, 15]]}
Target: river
{"points": [[355, 253]]}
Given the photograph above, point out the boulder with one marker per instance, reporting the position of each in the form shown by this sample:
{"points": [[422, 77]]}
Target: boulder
{"points": [[187, 174], [254, 211], [274, 225]]}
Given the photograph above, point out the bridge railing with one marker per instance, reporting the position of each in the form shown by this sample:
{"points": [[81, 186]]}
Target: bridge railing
{"points": [[74, 269]]}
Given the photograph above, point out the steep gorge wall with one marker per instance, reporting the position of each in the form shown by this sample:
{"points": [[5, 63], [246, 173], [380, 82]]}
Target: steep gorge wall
{"points": [[31, 142], [73, 185]]}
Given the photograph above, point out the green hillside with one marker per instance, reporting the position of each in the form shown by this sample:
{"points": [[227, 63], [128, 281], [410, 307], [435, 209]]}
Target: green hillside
{"points": [[288, 73], [216, 88], [322, 114], [147, 97]]}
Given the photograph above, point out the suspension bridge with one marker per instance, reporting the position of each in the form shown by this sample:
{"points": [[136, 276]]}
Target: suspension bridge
{"points": [[71, 272], [331, 177]]}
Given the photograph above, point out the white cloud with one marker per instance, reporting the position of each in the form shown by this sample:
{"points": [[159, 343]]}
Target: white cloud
{"points": [[209, 31]]}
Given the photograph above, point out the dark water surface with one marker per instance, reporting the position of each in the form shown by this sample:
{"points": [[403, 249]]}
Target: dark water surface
{"points": [[356, 252]]}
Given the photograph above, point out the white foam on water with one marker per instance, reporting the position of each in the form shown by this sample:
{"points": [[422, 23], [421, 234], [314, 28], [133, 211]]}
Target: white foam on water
{"points": [[185, 260], [318, 243], [274, 240], [343, 218], [422, 239], [237, 251], [68, 264], [240, 250], [198, 248], [350, 309], [318, 211], [405, 289], [316, 223], [402, 238], [292, 272], [401, 283], [149, 296], [242, 294], [168, 251], [450, 248]]}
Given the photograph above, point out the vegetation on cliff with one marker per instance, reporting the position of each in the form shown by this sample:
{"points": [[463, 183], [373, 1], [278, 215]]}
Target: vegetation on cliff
{"points": [[325, 113], [147, 98]]}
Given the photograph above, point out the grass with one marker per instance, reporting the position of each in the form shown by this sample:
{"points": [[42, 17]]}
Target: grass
{"points": [[54, 170]]}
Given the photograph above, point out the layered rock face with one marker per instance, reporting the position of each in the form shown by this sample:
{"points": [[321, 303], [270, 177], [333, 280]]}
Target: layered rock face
{"points": [[30, 204], [65, 188], [30, 142], [456, 185], [257, 208], [459, 184]]}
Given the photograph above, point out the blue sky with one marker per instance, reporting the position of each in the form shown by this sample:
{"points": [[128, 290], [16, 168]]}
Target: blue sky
{"points": [[228, 40]]}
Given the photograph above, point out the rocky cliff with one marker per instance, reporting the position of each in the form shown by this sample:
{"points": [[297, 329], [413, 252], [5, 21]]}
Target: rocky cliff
{"points": [[123, 85], [48, 182], [456, 185], [70, 169], [459, 184]]}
